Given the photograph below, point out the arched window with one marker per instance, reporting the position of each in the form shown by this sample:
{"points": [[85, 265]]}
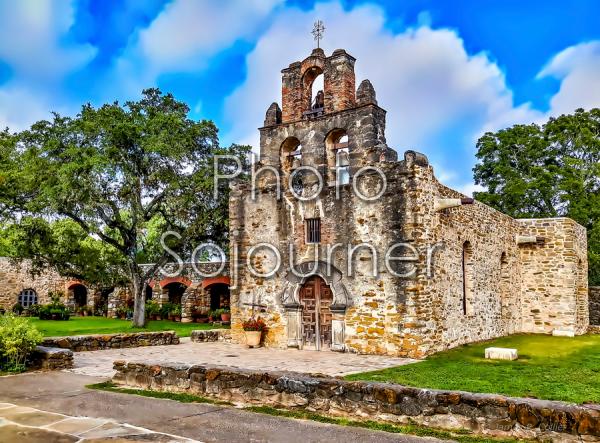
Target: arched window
{"points": [[467, 278], [338, 157], [313, 95], [27, 297], [291, 154]]}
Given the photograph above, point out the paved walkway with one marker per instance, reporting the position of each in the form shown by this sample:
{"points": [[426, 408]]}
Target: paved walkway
{"points": [[29, 425], [99, 363], [62, 395]]}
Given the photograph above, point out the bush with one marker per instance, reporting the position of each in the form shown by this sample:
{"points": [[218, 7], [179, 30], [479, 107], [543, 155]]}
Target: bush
{"points": [[152, 308], [18, 308], [54, 311], [165, 309], [18, 337], [33, 310]]}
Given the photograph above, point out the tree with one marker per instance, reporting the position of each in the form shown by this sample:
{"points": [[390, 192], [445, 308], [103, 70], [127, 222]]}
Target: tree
{"points": [[120, 173], [546, 171]]}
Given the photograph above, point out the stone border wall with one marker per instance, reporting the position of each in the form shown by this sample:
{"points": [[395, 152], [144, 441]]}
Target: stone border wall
{"points": [[50, 358], [202, 336], [594, 301], [482, 413], [80, 343]]}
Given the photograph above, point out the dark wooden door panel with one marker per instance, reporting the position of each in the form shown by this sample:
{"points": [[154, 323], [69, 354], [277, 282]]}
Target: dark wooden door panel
{"points": [[316, 298]]}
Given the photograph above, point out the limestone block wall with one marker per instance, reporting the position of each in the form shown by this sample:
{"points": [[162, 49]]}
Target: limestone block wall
{"points": [[475, 303], [594, 305], [16, 278], [554, 276]]}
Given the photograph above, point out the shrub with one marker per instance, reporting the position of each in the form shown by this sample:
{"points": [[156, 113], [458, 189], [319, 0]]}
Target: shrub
{"points": [[175, 310], [54, 311], [254, 324], [165, 309], [33, 310], [18, 337], [152, 308], [18, 308]]}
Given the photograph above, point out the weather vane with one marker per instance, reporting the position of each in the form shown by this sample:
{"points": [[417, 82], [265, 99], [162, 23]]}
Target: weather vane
{"points": [[318, 31]]}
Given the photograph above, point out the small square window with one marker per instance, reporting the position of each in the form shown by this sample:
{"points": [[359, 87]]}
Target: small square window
{"points": [[313, 230]]}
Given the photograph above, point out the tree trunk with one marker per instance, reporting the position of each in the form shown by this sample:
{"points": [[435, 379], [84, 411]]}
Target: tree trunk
{"points": [[139, 302]]}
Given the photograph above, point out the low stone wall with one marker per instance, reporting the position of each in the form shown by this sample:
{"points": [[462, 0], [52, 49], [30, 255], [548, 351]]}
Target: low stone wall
{"points": [[593, 329], [594, 303], [79, 343], [50, 358], [482, 413], [211, 335]]}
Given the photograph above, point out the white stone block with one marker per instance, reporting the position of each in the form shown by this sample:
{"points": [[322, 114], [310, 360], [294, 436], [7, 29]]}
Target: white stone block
{"points": [[563, 333], [501, 353]]}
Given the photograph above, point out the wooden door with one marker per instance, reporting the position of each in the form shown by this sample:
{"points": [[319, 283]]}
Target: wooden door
{"points": [[316, 298]]}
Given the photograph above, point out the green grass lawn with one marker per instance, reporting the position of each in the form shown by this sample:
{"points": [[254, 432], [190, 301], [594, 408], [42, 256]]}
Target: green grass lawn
{"points": [[103, 325], [551, 368]]}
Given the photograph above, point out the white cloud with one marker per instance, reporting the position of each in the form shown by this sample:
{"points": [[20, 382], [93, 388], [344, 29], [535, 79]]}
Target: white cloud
{"points": [[578, 69], [30, 39], [184, 36], [31, 43], [424, 77]]}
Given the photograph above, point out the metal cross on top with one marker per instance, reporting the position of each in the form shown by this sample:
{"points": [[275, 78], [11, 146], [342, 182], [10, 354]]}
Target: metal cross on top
{"points": [[318, 30]]}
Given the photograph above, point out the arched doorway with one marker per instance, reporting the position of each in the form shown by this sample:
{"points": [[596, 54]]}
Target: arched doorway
{"points": [[175, 292], [80, 295], [316, 299], [219, 296]]}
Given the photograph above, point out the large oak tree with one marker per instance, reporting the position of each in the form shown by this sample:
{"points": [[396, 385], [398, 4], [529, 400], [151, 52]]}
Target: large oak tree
{"points": [[116, 176], [546, 171]]}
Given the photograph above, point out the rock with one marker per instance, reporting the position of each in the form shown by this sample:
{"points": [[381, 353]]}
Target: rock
{"points": [[563, 333], [501, 354]]}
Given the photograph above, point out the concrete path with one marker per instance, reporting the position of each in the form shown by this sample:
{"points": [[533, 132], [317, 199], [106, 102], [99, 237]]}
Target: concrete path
{"points": [[99, 363], [64, 393]]}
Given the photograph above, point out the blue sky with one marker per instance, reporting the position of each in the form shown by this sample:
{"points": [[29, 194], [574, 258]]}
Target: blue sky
{"points": [[445, 71]]}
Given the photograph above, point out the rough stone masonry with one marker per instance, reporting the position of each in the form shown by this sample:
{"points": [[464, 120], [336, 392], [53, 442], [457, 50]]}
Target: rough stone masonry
{"points": [[478, 274]]}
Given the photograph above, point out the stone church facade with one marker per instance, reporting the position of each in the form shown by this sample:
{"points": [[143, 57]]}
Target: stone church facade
{"points": [[364, 252]]}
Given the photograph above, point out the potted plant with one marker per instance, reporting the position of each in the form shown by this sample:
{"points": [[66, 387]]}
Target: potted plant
{"points": [[175, 313], [152, 310], [253, 328], [225, 315], [212, 316], [121, 312], [164, 310]]}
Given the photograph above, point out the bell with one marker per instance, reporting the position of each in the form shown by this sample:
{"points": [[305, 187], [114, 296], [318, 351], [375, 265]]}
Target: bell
{"points": [[343, 159]]}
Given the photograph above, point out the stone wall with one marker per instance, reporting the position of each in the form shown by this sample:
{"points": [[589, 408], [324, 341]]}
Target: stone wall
{"points": [[594, 305], [554, 276], [483, 413], [95, 342], [202, 336], [16, 278], [50, 358]]}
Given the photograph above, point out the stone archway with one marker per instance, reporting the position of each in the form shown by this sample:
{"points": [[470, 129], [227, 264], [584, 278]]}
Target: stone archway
{"points": [[290, 299]]}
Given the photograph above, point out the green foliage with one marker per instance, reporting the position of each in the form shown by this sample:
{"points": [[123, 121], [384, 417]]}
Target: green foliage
{"points": [[152, 308], [54, 310], [548, 171], [550, 368], [175, 309], [17, 308], [94, 193], [165, 309], [18, 337]]}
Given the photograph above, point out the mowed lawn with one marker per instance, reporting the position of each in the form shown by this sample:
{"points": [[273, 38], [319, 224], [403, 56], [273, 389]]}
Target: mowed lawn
{"points": [[551, 368], [102, 325]]}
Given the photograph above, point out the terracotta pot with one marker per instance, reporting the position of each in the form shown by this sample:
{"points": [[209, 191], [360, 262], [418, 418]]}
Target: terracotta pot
{"points": [[253, 338], [226, 317]]}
